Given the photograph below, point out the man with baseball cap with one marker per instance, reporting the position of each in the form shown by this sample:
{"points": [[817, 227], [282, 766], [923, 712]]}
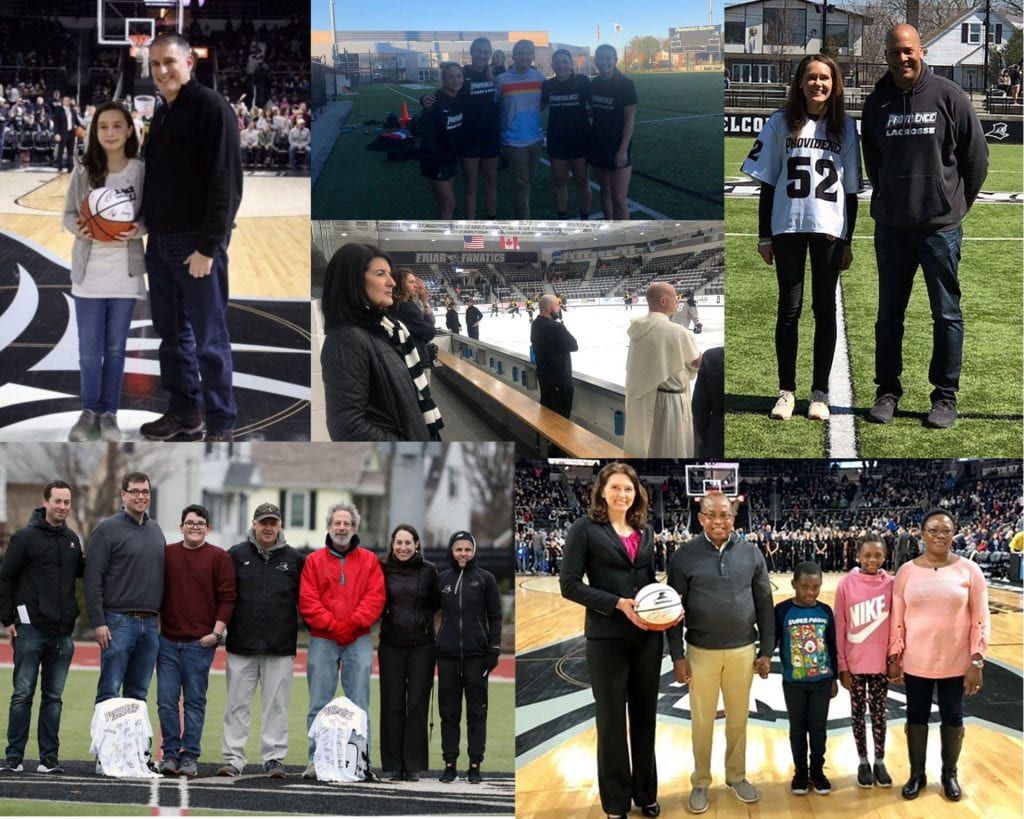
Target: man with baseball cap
{"points": [[468, 648], [261, 642]]}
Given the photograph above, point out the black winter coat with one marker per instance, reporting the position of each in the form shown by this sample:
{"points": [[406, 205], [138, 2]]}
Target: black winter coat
{"points": [[420, 327], [470, 612], [369, 392], [266, 616], [413, 595], [39, 571], [553, 345]]}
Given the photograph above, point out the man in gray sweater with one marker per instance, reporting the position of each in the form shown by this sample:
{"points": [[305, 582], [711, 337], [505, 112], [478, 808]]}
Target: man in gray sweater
{"points": [[723, 582], [124, 586]]}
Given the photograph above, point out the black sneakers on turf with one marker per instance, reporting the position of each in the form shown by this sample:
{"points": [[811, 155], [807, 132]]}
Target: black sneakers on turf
{"points": [[943, 414], [473, 774], [11, 765], [884, 409], [449, 773], [820, 782], [865, 779], [169, 426]]}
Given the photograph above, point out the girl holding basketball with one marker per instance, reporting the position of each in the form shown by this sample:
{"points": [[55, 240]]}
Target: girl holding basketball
{"points": [[567, 95], [614, 547], [107, 265], [613, 105], [807, 159]]}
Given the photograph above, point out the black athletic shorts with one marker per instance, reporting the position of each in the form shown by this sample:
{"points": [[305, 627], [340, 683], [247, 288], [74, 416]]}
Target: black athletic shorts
{"points": [[570, 146], [600, 157], [439, 171], [480, 147]]}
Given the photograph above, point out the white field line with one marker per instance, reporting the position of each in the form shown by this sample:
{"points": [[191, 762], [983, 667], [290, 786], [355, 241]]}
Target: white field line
{"points": [[871, 238], [842, 437]]}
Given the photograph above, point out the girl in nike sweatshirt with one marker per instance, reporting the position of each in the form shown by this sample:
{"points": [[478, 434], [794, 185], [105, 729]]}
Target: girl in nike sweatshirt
{"points": [[862, 605]]}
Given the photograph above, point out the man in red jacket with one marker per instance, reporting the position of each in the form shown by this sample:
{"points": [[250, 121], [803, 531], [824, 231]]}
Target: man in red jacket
{"points": [[341, 596]]}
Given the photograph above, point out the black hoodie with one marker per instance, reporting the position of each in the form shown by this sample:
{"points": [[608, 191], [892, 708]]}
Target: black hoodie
{"points": [[39, 572], [470, 612], [925, 153]]}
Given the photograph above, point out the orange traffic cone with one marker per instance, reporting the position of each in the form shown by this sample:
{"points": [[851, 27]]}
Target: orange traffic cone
{"points": [[405, 118]]}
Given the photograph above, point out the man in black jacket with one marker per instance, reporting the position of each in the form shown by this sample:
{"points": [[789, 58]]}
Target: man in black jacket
{"points": [[65, 121], [473, 319], [926, 156], [552, 348], [468, 649], [38, 608], [261, 642], [192, 192]]}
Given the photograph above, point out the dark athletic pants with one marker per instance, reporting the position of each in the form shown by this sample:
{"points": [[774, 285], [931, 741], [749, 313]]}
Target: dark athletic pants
{"points": [[456, 678], [406, 677]]}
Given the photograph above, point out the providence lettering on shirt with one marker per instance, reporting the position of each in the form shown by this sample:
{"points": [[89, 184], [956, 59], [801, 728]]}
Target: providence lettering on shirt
{"points": [[339, 735], [120, 738]]}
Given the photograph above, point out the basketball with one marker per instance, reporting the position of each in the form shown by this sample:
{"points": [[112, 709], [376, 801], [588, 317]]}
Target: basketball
{"points": [[658, 605], [107, 213]]}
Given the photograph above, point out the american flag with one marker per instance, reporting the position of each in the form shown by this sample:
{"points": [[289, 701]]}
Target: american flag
{"points": [[472, 242]]}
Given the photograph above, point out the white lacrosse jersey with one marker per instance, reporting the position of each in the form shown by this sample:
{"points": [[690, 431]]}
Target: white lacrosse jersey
{"points": [[811, 175], [339, 736], [120, 738]]}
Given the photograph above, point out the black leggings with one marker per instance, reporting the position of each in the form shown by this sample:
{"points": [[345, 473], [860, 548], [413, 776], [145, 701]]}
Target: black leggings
{"points": [[919, 699], [790, 261]]}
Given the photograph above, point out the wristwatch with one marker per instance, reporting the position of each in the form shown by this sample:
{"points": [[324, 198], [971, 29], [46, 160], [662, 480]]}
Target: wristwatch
{"points": [[978, 663], [219, 636]]}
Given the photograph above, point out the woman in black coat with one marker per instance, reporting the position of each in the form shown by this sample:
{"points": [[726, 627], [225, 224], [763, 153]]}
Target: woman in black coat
{"points": [[613, 546], [374, 385], [413, 309], [406, 655]]}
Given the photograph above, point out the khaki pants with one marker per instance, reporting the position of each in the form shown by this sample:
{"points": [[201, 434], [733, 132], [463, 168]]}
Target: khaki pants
{"points": [[730, 671], [275, 675], [523, 163]]}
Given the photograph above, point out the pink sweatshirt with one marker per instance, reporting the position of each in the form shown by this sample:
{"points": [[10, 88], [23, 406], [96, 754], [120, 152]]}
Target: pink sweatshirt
{"points": [[939, 618], [862, 609]]}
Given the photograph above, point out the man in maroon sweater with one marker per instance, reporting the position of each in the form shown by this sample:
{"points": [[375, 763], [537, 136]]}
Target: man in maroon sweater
{"points": [[199, 597]]}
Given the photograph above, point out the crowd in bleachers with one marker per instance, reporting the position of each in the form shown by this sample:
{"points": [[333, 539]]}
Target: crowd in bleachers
{"points": [[797, 511]]}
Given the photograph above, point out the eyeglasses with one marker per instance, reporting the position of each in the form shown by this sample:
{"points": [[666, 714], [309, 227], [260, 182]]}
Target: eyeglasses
{"points": [[145, 493], [195, 524]]}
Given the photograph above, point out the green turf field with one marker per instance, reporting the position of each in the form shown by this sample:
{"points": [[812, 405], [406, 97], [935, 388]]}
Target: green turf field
{"points": [[1005, 169], [989, 402], [677, 159], [80, 692]]}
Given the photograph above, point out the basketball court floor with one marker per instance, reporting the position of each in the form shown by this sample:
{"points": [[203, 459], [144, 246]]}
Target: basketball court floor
{"points": [[556, 771], [269, 318]]}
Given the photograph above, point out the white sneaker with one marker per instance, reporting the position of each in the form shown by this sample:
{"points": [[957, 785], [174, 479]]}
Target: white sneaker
{"points": [[783, 409], [310, 772], [818, 409]]}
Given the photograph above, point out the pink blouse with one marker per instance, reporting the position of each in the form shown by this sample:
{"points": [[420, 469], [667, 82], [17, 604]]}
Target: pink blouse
{"points": [[632, 544], [939, 618]]}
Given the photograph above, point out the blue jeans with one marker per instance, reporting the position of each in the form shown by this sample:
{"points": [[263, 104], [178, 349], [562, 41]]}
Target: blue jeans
{"points": [[322, 661], [190, 316], [33, 649], [103, 326], [182, 668], [129, 659], [899, 253]]}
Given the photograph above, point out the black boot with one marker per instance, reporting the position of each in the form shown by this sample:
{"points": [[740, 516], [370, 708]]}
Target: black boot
{"points": [[952, 741], [917, 748]]}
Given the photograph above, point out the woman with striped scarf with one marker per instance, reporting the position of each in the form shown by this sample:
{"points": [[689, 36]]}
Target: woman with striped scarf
{"points": [[374, 381]]}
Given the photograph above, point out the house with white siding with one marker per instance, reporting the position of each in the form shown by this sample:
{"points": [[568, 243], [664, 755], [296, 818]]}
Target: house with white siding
{"points": [[957, 50]]}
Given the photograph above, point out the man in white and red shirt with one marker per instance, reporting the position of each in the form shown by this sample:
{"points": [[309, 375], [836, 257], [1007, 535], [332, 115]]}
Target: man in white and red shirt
{"points": [[341, 596]]}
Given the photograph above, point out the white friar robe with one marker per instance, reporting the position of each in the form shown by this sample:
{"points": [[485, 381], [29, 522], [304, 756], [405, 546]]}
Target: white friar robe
{"points": [[661, 354]]}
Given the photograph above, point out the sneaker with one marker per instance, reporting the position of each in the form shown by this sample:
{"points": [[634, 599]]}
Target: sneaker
{"points": [[449, 772], [882, 778], [274, 769], [215, 437], [698, 801], [310, 772], [820, 782], [188, 767], [99, 768], [884, 409], [108, 428], [11, 765], [392, 776], [169, 426], [799, 784], [228, 770], [783, 409], [168, 766], [943, 414], [473, 774], [865, 779], [370, 776], [818, 410], [744, 791], [411, 776], [86, 428]]}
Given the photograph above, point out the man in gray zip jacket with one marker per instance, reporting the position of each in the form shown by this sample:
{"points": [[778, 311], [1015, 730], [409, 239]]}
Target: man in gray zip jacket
{"points": [[724, 586]]}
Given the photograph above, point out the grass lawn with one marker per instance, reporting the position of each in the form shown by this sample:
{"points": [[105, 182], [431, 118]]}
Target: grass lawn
{"points": [[80, 692], [990, 422], [677, 158]]}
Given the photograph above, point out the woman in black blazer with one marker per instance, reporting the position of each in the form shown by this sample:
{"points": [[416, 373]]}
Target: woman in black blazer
{"points": [[613, 546]]}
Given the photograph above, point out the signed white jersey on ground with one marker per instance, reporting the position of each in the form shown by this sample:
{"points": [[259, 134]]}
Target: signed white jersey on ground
{"points": [[120, 738], [339, 735]]}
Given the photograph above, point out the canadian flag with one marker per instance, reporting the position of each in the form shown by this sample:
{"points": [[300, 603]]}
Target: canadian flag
{"points": [[510, 243]]}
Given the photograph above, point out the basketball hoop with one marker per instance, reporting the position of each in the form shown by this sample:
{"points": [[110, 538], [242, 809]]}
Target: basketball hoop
{"points": [[140, 50]]}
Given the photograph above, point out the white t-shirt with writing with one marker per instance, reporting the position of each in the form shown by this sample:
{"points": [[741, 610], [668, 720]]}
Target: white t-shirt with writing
{"points": [[120, 738], [339, 734]]}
